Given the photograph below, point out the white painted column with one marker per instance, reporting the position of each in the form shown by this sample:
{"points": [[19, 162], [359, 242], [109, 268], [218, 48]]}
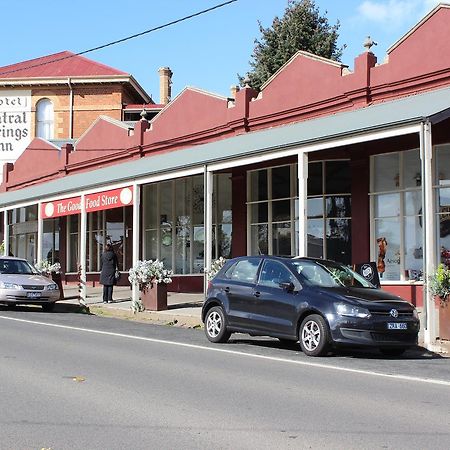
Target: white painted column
{"points": [[136, 234], [40, 234], [6, 232], [429, 241], [82, 262], [208, 206], [302, 204]]}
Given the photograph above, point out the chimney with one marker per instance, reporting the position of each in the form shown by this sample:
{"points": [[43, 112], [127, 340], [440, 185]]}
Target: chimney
{"points": [[234, 90], [165, 83]]}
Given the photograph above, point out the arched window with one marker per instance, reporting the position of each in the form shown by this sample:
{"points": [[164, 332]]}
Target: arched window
{"points": [[44, 119]]}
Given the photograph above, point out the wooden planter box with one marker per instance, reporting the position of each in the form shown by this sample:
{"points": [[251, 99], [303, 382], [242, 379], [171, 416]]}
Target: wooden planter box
{"points": [[444, 321], [154, 298]]}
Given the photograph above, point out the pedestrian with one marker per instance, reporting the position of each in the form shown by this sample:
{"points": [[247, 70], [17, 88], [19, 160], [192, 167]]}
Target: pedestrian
{"points": [[108, 267]]}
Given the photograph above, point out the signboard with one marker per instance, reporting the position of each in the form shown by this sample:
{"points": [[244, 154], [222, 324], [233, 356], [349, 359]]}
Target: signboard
{"points": [[15, 123], [369, 272], [99, 201]]}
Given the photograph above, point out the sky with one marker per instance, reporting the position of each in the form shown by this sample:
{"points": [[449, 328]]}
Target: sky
{"points": [[206, 52]]}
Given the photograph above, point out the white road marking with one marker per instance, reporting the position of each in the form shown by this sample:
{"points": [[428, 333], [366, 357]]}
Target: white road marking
{"points": [[234, 352]]}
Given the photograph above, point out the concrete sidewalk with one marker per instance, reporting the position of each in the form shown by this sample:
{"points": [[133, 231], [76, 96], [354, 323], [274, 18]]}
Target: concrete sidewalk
{"points": [[183, 309]]}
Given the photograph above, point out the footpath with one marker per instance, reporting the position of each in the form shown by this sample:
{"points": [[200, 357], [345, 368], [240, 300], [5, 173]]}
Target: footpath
{"points": [[183, 309]]}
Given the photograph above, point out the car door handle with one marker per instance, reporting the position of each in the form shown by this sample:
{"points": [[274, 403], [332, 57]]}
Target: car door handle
{"points": [[257, 294], [227, 290]]}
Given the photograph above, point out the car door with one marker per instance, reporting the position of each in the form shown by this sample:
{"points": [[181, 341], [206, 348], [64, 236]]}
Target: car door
{"points": [[239, 289], [274, 310]]}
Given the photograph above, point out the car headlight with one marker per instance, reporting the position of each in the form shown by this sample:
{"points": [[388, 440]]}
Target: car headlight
{"points": [[51, 287], [415, 314], [345, 309], [4, 285]]}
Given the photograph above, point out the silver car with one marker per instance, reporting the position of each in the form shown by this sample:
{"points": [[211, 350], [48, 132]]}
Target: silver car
{"points": [[21, 283]]}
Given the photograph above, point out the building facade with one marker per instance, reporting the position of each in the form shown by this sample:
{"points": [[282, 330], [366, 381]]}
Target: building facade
{"points": [[324, 162]]}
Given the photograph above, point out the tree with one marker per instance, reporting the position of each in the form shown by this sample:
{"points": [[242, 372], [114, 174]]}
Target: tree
{"points": [[301, 28]]}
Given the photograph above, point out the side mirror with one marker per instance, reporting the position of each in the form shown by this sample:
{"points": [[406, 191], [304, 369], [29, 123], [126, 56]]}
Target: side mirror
{"points": [[287, 286]]}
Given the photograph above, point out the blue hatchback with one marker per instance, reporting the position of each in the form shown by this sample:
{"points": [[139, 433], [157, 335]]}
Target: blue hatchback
{"points": [[321, 304]]}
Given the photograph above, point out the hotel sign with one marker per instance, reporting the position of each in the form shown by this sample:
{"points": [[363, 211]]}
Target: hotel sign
{"points": [[15, 123], [99, 201]]}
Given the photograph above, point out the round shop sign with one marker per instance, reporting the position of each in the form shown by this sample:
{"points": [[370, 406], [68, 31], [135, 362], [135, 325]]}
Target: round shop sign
{"points": [[367, 272], [126, 196], [49, 209]]}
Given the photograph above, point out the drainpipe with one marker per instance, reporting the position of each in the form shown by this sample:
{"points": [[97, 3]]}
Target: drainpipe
{"points": [[70, 109]]}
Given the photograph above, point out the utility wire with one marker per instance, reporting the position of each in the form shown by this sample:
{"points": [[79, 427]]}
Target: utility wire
{"points": [[127, 38]]}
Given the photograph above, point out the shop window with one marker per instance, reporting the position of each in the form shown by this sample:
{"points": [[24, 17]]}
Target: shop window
{"points": [[50, 240], [23, 227], [44, 119], [396, 200], [442, 188]]}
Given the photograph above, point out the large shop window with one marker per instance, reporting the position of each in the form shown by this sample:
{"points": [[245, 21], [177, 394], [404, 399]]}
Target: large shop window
{"points": [[23, 226], [50, 240], [273, 210], [44, 119], [113, 226], [396, 200], [174, 222], [329, 210], [442, 188]]}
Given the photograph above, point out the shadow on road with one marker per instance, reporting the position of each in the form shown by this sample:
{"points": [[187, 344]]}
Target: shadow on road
{"points": [[65, 308]]}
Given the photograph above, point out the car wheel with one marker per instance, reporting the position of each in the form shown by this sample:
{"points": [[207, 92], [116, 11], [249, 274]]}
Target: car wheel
{"points": [[393, 351], [48, 307], [314, 336], [216, 326]]}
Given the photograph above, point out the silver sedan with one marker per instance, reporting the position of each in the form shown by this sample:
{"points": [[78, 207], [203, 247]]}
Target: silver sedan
{"points": [[20, 283]]}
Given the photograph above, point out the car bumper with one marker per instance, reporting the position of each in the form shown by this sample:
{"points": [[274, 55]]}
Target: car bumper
{"points": [[374, 332], [23, 297]]}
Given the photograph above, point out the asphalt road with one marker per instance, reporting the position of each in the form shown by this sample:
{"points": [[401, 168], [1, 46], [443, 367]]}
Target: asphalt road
{"points": [[71, 381]]}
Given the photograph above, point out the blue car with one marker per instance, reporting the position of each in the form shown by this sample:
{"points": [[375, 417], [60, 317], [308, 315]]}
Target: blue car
{"points": [[321, 304]]}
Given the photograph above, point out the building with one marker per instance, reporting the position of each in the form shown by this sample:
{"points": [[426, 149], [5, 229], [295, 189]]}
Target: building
{"points": [[324, 161]]}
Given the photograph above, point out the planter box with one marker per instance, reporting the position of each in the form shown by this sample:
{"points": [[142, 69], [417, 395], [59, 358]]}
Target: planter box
{"points": [[444, 321], [155, 297]]}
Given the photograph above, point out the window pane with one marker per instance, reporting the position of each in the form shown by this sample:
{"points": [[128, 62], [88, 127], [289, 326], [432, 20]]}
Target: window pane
{"points": [[315, 178], [259, 213], [339, 245], [315, 238], [411, 169], [274, 273], [258, 185], [150, 209], [73, 252], [245, 271], [198, 249], [444, 199], [151, 245], [387, 205], [225, 240], [281, 210], [315, 207], [338, 206], [387, 173], [182, 200], [387, 244], [197, 200], [338, 178], [413, 203], [413, 244], [443, 164], [281, 182], [281, 239], [182, 253], [224, 197], [444, 238], [259, 240], [115, 232], [166, 202]]}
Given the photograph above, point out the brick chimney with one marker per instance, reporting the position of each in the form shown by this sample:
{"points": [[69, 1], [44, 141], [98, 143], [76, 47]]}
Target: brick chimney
{"points": [[165, 85]]}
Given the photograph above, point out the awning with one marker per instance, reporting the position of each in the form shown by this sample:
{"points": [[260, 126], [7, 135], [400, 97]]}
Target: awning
{"points": [[433, 105]]}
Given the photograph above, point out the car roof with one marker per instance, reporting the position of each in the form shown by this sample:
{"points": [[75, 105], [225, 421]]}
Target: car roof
{"points": [[285, 258], [13, 258]]}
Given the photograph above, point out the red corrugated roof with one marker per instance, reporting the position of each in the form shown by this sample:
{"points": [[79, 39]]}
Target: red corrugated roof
{"points": [[63, 64]]}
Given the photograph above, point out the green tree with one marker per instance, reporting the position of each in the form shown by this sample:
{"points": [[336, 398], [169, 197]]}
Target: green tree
{"points": [[301, 28]]}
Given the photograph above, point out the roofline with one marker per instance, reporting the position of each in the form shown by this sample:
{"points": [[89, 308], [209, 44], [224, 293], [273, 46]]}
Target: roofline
{"points": [[307, 55], [418, 25]]}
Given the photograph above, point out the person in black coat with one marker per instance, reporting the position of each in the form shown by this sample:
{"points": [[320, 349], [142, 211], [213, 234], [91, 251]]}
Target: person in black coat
{"points": [[108, 266]]}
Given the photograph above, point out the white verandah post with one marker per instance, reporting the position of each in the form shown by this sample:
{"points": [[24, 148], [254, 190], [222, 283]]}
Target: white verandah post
{"points": [[302, 203], [82, 262], [429, 242], [40, 234], [5, 233], [136, 234], [208, 206]]}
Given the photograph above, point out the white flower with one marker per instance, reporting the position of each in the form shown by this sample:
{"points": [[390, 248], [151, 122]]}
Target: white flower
{"points": [[147, 272], [215, 267], [45, 267]]}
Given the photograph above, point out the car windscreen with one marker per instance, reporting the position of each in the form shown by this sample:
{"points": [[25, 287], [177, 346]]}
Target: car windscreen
{"points": [[16, 267], [329, 274]]}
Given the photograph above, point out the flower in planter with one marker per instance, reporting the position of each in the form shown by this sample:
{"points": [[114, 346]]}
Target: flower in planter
{"points": [[439, 284], [216, 265], [46, 268]]}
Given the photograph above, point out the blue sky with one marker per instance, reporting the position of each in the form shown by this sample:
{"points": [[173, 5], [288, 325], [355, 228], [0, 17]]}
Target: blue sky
{"points": [[206, 52]]}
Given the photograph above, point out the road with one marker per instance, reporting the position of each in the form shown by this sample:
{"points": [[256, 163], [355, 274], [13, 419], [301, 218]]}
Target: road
{"points": [[72, 381]]}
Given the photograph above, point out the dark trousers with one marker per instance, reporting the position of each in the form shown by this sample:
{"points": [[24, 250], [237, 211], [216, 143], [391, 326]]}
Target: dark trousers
{"points": [[107, 292]]}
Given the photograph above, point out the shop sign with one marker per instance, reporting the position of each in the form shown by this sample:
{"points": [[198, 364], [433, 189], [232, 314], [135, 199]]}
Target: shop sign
{"points": [[15, 123], [24, 227], [94, 202], [369, 271]]}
